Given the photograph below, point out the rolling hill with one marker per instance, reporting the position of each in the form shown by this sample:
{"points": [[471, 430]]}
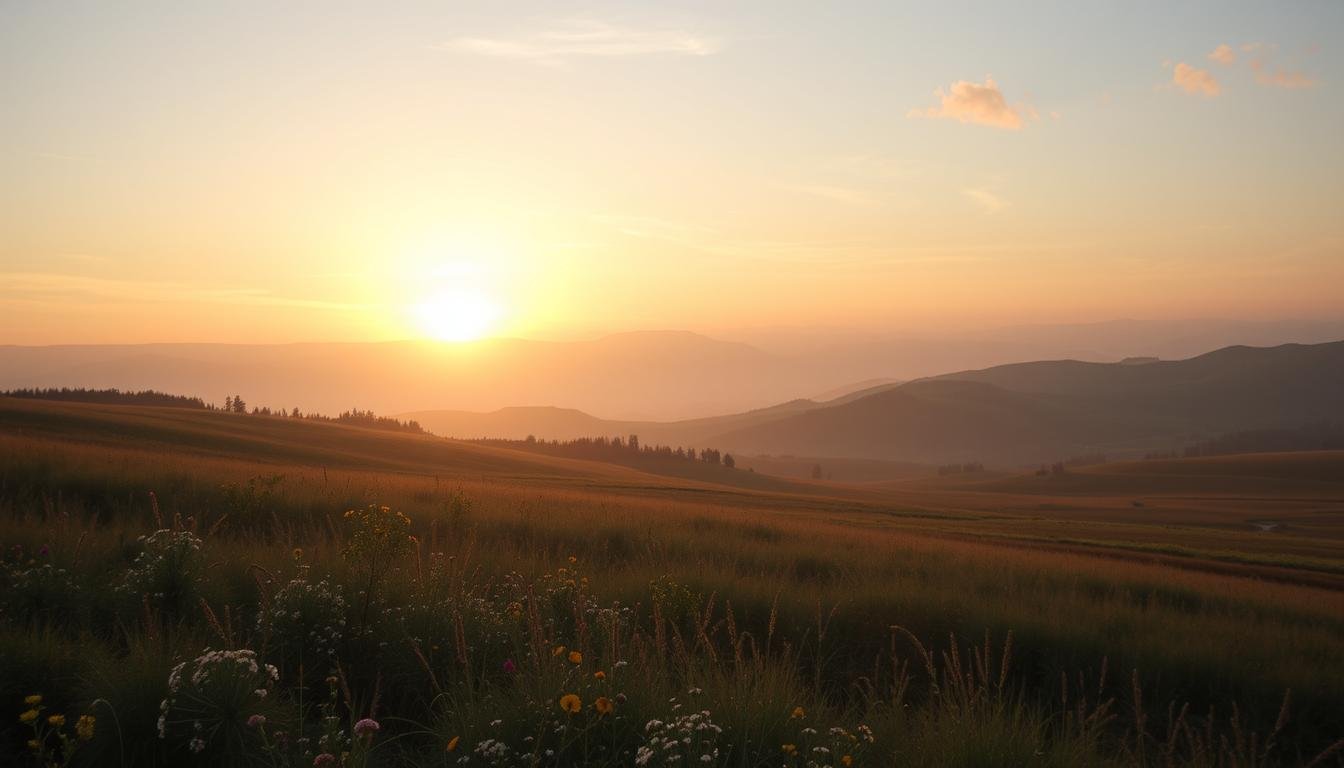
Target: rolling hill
{"points": [[1052, 410], [655, 374], [1007, 415]]}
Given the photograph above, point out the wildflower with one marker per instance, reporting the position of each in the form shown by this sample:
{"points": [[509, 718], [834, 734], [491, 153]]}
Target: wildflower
{"points": [[84, 727], [559, 649], [600, 675], [571, 703], [798, 713], [366, 727], [28, 717], [573, 560], [847, 760], [509, 667], [34, 745], [297, 553], [603, 705], [197, 745], [575, 657], [33, 700], [324, 759], [452, 744], [56, 720], [256, 721], [43, 551], [789, 749]]}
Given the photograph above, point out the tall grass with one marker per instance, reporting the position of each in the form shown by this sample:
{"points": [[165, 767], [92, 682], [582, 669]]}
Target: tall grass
{"points": [[760, 611]]}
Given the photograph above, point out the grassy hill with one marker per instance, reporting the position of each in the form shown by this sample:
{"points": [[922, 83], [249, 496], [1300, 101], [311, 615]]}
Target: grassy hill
{"points": [[1185, 595], [1049, 411]]}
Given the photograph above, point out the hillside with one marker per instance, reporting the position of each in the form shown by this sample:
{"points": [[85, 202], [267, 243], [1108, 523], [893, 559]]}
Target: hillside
{"points": [[664, 375], [549, 423], [324, 444], [1049, 411]]}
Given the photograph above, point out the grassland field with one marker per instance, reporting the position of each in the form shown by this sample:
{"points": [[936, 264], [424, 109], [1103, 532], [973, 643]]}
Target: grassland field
{"points": [[1217, 582]]}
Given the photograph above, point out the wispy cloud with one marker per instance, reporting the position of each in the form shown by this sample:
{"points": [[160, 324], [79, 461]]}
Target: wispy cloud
{"points": [[842, 252], [586, 38], [981, 104], [1280, 77], [1224, 55], [1194, 80], [61, 287], [846, 195], [986, 198]]}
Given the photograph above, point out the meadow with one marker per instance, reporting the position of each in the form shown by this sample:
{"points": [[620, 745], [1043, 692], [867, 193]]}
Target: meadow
{"points": [[216, 589]]}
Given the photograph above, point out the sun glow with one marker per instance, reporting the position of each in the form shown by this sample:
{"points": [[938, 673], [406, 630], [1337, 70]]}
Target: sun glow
{"points": [[457, 315]]}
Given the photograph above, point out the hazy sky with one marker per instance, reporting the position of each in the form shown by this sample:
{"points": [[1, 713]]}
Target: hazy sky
{"points": [[320, 171]]}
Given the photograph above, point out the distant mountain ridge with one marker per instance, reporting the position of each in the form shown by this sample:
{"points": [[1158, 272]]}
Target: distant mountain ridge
{"points": [[1051, 410], [1007, 415]]}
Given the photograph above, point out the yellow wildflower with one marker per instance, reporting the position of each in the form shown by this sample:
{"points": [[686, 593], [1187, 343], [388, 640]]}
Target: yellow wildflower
{"points": [[603, 705], [847, 760], [297, 553], [29, 716], [33, 700], [34, 744], [452, 744], [573, 560], [798, 713], [575, 657], [84, 727], [789, 749], [559, 649], [56, 720], [571, 703], [600, 675]]}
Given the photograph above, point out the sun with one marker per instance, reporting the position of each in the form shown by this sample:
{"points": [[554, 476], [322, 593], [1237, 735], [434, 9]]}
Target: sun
{"points": [[457, 315]]}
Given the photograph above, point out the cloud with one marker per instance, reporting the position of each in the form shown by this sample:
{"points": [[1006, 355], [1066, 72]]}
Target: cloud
{"points": [[970, 102], [586, 39], [1224, 55], [986, 198], [1194, 80], [838, 194], [1280, 78], [58, 287]]}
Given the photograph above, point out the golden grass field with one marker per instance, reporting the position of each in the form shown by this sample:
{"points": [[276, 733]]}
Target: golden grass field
{"points": [[1213, 581]]}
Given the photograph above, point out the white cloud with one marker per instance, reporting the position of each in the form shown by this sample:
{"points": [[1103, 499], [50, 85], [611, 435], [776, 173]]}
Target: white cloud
{"points": [[1194, 80], [1224, 55], [970, 102], [587, 39]]}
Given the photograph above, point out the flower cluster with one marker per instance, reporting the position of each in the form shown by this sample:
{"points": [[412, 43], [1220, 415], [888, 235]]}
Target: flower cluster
{"points": [[209, 696], [376, 535], [38, 588], [305, 617], [167, 570], [836, 746], [51, 743], [689, 738]]}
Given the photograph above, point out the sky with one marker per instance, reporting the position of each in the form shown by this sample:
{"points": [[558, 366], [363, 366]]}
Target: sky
{"points": [[277, 172]]}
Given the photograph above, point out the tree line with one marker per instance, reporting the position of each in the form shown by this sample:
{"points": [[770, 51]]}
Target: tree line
{"points": [[615, 449], [108, 396], [232, 404], [1321, 436]]}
